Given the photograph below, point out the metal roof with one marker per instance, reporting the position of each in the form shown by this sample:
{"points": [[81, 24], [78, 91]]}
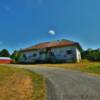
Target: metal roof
{"points": [[5, 58], [58, 43]]}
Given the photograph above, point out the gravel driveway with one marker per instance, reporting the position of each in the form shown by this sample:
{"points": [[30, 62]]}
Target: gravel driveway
{"points": [[69, 85]]}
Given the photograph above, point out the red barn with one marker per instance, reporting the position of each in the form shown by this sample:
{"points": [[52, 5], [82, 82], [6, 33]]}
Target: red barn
{"points": [[5, 60]]}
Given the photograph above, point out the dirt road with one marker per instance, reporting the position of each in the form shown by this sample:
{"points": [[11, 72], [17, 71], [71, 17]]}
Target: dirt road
{"points": [[69, 85]]}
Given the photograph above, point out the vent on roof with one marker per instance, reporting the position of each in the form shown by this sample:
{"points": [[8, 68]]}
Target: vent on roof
{"points": [[58, 40], [62, 40]]}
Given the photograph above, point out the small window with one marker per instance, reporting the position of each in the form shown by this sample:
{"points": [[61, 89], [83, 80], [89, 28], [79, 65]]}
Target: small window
{"points": [[51, 53], [69, 52], [24, 56], [34, 55], [42, 52]]}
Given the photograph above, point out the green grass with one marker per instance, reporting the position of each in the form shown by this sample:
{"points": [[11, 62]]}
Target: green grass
{"points": [[39, 86], [19, 84], [90, 67]]}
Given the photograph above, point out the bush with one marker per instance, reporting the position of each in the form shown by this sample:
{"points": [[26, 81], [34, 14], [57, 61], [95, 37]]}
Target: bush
{"points": [[92, 55]]}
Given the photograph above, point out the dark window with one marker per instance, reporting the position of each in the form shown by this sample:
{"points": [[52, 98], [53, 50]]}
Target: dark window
{"points": [[51, 53], [42, 52], [34, 55], [24, 56], [69, 52]]}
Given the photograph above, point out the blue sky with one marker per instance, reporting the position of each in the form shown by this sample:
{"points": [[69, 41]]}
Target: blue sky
{"points": [[27, 22]]}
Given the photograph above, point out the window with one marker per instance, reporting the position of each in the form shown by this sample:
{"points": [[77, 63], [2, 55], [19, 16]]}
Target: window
{"points": [[34, 55], [42, 52], [51, 53], [24, 56], [69, 52]]}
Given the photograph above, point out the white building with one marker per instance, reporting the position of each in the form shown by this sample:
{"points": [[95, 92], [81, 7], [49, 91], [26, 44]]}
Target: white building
{"points": [[56, 51]]}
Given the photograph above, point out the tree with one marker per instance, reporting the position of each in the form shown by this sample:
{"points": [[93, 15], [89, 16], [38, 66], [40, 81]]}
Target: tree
{"points": [[4, 53], [15, 55]]}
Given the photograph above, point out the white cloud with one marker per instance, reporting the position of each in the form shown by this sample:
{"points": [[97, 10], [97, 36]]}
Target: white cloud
{"points": [[52, 32]]}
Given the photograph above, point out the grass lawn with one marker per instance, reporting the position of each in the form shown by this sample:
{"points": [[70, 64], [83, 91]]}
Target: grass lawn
{"points": [[19, 84], [90, 67]]}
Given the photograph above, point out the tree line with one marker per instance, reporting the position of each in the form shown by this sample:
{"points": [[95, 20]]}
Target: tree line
{"points": [[89, 54]]}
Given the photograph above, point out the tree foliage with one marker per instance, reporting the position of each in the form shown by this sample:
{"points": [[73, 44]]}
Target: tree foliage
{"points": [[15, 55], [92, 55], [4, 53]]}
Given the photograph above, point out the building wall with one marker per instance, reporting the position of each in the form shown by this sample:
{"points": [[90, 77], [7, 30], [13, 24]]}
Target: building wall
{"points": [[62, 55], [32, 56], [58, 54], [5, 61], [28, 56], [78, 55]]}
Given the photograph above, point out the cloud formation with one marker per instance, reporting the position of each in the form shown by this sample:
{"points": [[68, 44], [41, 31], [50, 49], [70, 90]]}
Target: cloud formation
{"points": [[52, 32]]}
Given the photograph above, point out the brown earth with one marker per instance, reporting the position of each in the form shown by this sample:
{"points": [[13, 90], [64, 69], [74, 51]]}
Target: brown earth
{"points": [[16, 87]]}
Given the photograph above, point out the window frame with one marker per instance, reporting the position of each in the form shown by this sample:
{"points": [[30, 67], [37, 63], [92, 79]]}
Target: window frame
{"points": [[69, 52]]}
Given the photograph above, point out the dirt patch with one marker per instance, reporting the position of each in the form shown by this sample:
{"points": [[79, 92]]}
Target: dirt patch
{"points": [[16, 87]]}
